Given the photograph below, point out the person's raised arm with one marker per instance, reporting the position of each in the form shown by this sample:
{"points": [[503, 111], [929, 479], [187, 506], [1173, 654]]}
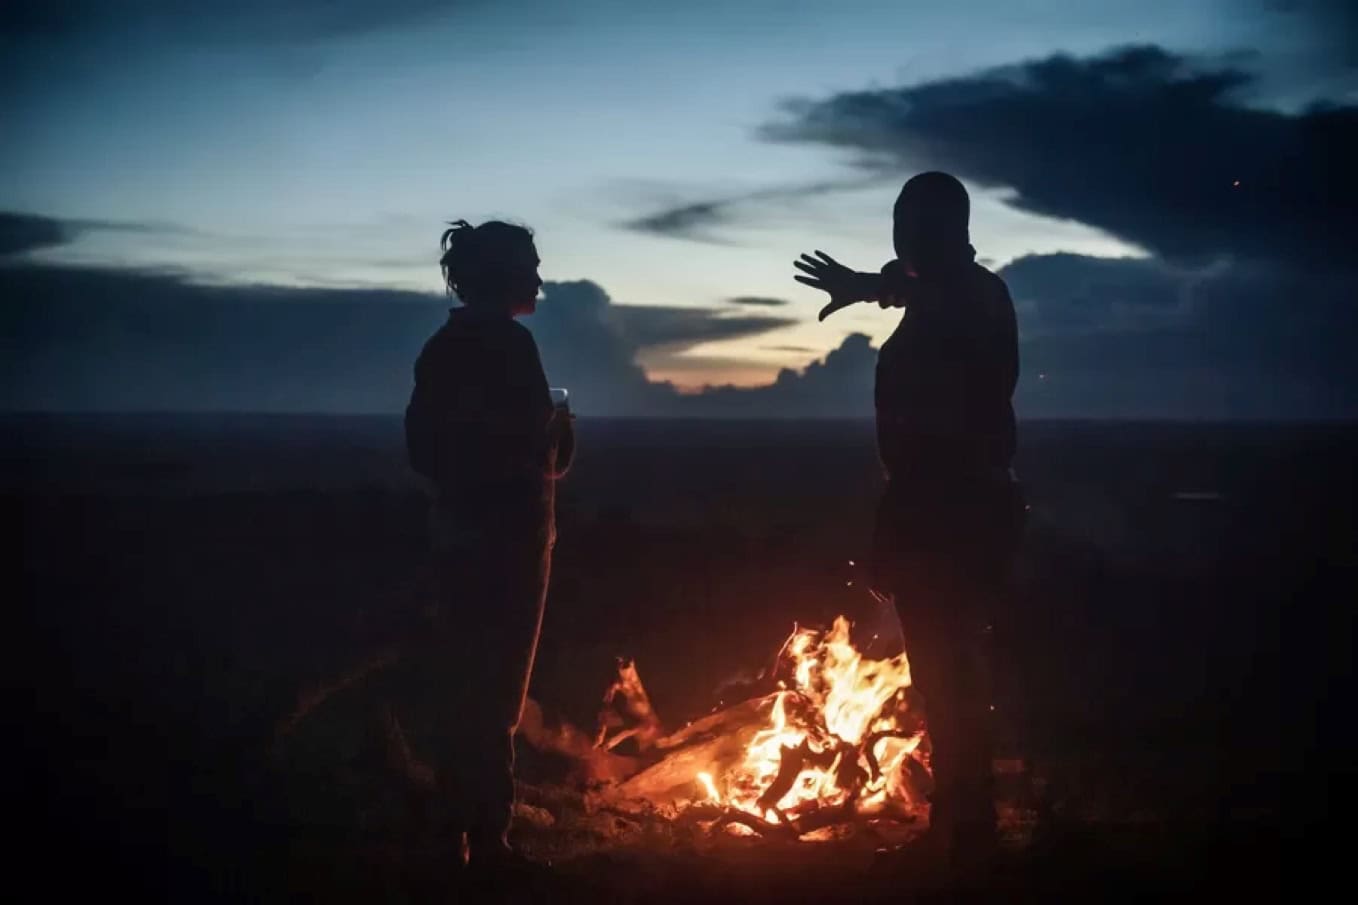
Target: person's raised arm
{"points": [[896, 285], [844, 286]]}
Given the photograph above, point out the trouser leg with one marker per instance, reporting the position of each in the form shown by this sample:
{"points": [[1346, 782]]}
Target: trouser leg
{"points": [[496, 627], [944, 635]]}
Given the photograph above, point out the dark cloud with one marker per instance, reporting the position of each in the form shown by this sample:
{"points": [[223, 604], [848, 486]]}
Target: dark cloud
{"points": [[1128, 338], [110, 340], [21, 233], [584, 350], [118, 340], [253, 20], [757, 301], [141, 227], [95, 339], [660, 338], [697, 221], [798, 349], [686, 221], [650, 326], [838, 386], [1063, 293], [1141, 142]]}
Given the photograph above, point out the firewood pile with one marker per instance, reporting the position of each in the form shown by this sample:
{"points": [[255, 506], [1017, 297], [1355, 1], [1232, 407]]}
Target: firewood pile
{"points": [[788, 773], [826, 741]]}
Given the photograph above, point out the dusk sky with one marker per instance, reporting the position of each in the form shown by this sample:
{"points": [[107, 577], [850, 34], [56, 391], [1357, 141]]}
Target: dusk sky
{"points": [[237, 206]]}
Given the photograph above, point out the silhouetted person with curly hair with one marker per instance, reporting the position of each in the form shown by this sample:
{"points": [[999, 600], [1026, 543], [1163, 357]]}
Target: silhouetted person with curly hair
{"points": [[482, 427], [951, 514]]}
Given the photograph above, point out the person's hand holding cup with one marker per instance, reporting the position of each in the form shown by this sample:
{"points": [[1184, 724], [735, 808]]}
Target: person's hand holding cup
{"points": [[562, 428], [561, 404]]}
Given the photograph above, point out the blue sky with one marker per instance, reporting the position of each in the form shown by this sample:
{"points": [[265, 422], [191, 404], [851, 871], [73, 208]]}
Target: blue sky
{"points": [[324, 146]]}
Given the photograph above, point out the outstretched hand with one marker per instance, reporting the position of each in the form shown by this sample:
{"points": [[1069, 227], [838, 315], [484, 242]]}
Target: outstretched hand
{"points": [[843, 285]]}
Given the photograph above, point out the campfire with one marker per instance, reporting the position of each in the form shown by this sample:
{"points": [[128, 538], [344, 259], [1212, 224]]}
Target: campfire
{"points": [[826, 738], [832, 737]]}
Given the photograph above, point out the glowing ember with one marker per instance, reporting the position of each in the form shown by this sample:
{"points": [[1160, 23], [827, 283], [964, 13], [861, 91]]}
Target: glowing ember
{"points": [[840, 734], [712, 793]]}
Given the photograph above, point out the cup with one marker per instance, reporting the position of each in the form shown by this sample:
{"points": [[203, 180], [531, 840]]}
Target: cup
{"points": [[560, 399]]}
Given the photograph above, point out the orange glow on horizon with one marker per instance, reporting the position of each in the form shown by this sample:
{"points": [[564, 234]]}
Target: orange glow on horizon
{"points": [[695, 380]]}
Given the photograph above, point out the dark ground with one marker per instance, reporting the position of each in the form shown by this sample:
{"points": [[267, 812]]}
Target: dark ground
{"points": [[1176, 669]]}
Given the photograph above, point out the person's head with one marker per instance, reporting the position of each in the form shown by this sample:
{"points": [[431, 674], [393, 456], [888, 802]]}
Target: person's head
{"points": [[931, 220], [492, 267]]}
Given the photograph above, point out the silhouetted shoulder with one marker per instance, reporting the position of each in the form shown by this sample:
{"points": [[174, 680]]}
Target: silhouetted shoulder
{"points": [[439, 351], [517, 344], [467, 333], [499, 331], [521, 335], [991, 290], [431, 349], [989, 280]]}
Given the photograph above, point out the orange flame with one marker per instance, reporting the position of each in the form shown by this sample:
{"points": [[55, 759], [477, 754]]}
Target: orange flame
{"points": [[844, 719]]}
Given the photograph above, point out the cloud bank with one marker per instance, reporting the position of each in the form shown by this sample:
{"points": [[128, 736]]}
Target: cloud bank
{"points": [[1244, 308], [119, 340]]}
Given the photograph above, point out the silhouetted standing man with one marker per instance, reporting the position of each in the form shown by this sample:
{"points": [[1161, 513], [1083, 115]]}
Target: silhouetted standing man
{"points": [[482, 427], [950, 516]]}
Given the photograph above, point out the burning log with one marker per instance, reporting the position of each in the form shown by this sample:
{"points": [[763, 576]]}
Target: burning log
{"points": [[837, 743], [790, 766], [626, 701], [822, 817], [716, 817], [868, 748], [850, 775], [721, 722], [716, 742], [593, 764]]}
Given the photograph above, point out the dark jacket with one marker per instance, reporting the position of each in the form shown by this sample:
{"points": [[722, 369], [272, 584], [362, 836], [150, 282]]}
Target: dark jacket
{"points": [[946, 376], [479, 423]]}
